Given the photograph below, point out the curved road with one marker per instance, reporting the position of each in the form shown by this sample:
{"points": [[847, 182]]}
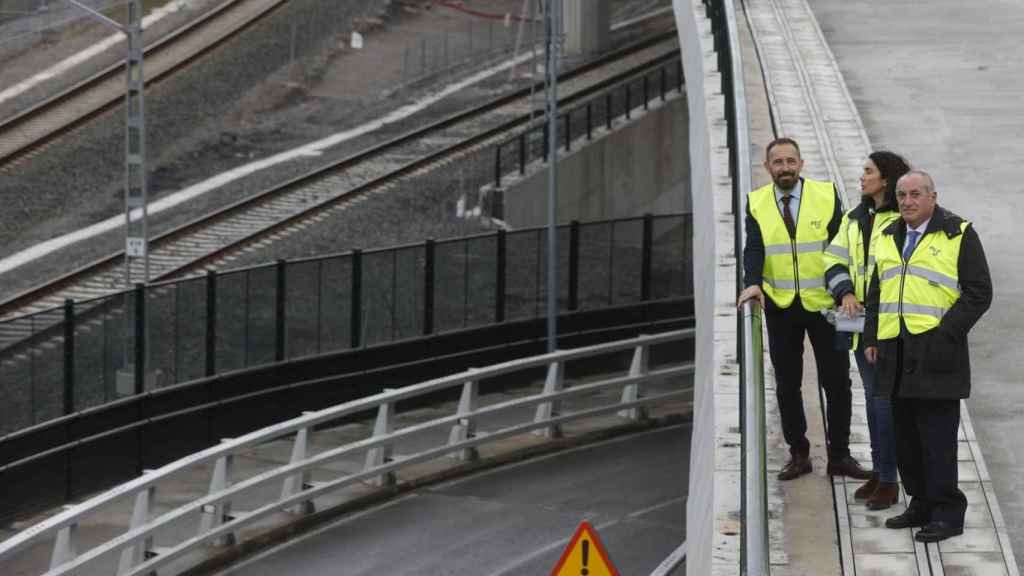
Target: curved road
{"points": [[513, 520]]}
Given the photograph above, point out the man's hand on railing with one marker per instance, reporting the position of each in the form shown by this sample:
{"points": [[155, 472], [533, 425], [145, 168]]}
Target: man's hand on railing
{"points": [[749, 293]]}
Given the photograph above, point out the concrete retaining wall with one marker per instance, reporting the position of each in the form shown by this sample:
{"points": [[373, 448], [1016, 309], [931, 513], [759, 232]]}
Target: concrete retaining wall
{"points": [[640, 166]]}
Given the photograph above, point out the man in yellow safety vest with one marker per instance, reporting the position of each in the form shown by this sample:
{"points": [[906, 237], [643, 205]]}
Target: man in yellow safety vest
{"points": [[789, 223], [931, 284]]}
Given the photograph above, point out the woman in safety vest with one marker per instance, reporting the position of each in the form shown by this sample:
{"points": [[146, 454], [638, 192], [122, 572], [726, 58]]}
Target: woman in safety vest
{"points": [[849, 261]]}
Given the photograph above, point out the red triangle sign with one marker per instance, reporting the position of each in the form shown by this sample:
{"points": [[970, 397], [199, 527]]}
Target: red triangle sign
{"points": [[585, 555]]}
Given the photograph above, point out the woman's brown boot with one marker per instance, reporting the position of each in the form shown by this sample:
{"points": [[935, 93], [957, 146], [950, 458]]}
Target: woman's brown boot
{"points": [[887, 494], [865, 491]]}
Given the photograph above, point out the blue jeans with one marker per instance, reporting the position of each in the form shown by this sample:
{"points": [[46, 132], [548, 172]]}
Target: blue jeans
{"points": [[879, 411]]}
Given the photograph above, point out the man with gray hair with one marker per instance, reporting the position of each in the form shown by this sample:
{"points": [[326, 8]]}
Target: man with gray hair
{"points": [[930, 286]]}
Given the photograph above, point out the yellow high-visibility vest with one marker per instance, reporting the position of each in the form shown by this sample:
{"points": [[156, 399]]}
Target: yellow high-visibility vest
{"points": [[921, 290], [847, 250], [797, 265]]}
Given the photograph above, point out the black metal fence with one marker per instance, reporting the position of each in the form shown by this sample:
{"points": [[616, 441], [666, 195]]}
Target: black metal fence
{"points": [[598, 112], [92, 352]]}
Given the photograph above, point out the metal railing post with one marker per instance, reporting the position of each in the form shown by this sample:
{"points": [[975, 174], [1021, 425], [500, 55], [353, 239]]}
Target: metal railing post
{"points": [[646, 257], [211, 323], [139, 552], [380, 455], [500, 286], [574, 264], [465, 428], [553, 383], [429, 255], [638, 368], [280, 328], [522, 154], [356, 321], [298, 482], [69, 356], [140, 338], [497, 166]]}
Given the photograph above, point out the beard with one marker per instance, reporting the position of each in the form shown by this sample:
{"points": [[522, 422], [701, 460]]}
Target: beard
{"points": [[785, 180]]}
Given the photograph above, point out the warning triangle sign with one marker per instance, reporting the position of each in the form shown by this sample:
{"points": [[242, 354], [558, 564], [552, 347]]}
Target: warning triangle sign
{"points": [[585, 555]]}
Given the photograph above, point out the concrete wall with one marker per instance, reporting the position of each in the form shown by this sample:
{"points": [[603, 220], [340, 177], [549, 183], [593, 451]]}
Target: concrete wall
{"points": [[640, 166]]}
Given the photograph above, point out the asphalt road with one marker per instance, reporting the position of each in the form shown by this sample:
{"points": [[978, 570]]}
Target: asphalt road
{"points": [[515, 520], [941, 82]]}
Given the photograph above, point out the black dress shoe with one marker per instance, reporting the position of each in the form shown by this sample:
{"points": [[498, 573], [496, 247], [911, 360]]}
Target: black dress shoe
{"points": [[797, 466], [912, 518], [937, 531], [847, 466]]}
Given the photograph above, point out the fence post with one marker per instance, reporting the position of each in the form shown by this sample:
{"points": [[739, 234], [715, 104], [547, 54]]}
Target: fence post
{"points": [[356, 320], [645, 272], [301, 481], [280, 335], [522, 154], [213, 515], [500, 276], [497, 166], [65, 547], [590, 117], [139, 552], [631, 392], [629, 100], [69, 356], [211, 322], [663, 79], [646, 93], [429, 263], [568, 131], [546, 411], [608, 110], [465, 428], [140, 338], [380, 455], [574, 264]]}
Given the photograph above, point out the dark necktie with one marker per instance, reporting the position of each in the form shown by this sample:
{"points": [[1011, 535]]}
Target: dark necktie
{"points": [[911, 242], [787, 217]]}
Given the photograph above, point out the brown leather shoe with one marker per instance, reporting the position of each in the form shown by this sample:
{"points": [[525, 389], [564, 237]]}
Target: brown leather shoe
{"points": [[797, 466], [887, 494], [847, 466], [867, 489]]}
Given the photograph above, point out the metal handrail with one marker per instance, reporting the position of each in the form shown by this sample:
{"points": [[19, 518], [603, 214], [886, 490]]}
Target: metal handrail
{"points": [[755, 470], [138, 555], [755, 546]]}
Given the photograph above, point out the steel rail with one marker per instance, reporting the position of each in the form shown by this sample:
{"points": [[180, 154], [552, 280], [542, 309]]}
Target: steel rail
{"points": [[33, 299], [33, 129]]}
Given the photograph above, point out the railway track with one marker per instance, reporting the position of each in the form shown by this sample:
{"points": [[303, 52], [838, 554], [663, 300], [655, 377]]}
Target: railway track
{"points": [[213, 240], [28, 134]]}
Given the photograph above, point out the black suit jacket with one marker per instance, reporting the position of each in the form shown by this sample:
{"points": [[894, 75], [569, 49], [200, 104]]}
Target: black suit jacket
{"points": [[936, 363]]}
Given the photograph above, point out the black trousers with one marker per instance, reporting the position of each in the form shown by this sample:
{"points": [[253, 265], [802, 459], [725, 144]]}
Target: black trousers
{"points": [[926, 446], [786, 329]]}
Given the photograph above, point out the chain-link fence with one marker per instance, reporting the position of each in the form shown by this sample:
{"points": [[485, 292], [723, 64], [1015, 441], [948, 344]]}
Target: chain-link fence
{"points": [[92, 352]]}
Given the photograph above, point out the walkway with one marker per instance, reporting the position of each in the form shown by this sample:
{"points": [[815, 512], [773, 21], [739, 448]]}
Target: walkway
{"points": [[810, 101]]}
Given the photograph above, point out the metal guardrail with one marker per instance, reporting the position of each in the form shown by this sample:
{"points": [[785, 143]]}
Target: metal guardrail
{"points": [[754, 556], [139, 555]]}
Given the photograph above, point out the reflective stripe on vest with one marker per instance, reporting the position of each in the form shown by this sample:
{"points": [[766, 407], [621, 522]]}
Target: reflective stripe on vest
{"points": [[919, 291], [792, 265]]}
